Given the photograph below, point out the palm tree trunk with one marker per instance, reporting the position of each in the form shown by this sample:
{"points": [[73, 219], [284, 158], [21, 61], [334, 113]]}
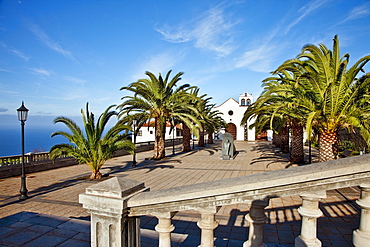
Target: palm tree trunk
{"points": [[274, 138], [277, 139], [328, 145], [201, 139], [210, 138], [297, 154], [284, 132], [95, 174], [186, 136], [159, 145]]}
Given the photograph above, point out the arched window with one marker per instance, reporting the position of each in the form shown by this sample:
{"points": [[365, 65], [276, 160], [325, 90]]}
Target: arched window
{"points": [[248, 102], [243, 102]]}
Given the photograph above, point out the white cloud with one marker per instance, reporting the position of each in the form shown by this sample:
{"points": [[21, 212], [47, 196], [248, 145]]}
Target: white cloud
{"points": [[44, 38], [15, 52], [305, 10], [4, 70], [212, 32], [76, 80], [259, 59], [159, 63], [358, 12], [20, 54], [41, 72]]}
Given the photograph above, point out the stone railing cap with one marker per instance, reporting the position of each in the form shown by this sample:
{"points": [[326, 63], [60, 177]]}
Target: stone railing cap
{"points": [[116, 187]]}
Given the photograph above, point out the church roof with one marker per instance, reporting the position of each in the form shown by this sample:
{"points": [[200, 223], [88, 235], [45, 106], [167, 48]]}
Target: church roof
{"points": [[227, 101]]}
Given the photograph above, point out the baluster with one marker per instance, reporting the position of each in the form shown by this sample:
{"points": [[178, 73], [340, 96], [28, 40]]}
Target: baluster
{"points": [[361, 236], [310, 212], [164, 228], [208, 223], [256, 218]]}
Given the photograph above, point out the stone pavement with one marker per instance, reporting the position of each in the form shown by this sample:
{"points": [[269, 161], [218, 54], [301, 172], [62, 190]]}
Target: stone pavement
{"points": [[52, 215]]}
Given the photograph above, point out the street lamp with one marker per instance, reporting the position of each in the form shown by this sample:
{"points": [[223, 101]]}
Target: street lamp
{"points": [[192, 137], [22, 116], [134, 122], [173, 137]]}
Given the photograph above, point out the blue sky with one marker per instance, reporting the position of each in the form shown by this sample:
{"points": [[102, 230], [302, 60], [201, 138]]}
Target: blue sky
{"points": [[57, 55]]}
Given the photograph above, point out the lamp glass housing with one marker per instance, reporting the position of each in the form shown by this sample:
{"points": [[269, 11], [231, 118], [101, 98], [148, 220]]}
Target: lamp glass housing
{"points": [[22, 113]]}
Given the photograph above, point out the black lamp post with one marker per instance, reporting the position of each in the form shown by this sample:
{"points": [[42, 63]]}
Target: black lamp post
{"points": [[173, 137], [134, 122], [22, 116], [192, 137]]}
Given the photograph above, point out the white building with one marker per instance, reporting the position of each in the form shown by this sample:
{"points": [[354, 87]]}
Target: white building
{"points": [[146, 133], [233, 112]]}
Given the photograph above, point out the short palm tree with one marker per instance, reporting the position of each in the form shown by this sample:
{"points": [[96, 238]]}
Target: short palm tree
{"points": [[161, 100], [93, 147]]}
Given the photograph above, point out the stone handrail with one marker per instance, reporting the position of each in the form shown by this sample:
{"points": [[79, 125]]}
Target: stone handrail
{"points": [[119, 202]]}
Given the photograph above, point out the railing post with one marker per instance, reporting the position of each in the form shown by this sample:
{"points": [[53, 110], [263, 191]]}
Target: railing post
{"points": [[107, 203], [361, 236], [310, 212], [256, 218], [207, 223], [164, 228]]}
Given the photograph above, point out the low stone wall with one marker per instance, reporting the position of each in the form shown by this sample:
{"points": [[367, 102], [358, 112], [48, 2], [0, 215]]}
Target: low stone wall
{"points": [[37, 166], [16, 170]]}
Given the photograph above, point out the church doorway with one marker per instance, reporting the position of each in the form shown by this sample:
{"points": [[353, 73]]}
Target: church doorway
{"points": [[231, 128]]}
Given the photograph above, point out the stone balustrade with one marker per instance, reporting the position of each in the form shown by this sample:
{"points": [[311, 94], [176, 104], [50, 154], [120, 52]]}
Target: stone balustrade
{"points": [[117, 204], [35, 162]]}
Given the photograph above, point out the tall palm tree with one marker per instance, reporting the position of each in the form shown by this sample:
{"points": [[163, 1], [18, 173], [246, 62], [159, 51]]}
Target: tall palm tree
{"points": [[335, 97], [161, 100], [188, 129], [92, 147]]}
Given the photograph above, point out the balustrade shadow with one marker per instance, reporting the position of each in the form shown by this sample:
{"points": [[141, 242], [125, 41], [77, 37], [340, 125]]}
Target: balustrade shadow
{"points": [[33, 229], [282, 227], [268, 154]]}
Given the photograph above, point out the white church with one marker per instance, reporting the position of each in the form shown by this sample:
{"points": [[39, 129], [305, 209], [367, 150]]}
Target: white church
{"points": [[233, 112]]}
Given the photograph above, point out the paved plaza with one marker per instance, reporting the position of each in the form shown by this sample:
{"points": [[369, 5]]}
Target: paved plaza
{"points": [[52, 216]]}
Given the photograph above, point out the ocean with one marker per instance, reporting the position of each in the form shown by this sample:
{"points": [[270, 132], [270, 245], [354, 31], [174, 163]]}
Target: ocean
{"points": [[36, 138]]}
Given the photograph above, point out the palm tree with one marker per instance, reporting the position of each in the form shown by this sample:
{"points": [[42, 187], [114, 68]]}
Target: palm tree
{"points": [[288, 103], [267, 112], [93, 147], [213, 123], [335, 97], [192, 128], [159, 99]]}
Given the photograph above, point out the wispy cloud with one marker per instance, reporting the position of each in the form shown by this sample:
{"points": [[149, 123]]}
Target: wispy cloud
{"points": [[259, 59], [4, 70], [41, 72], [43, 113], [358, 12], [15, 51], [212, 32], [157, 63], [46, 40], [262, 56], [304, 11], [20, 54], [7, 91], [3, 109], [76, 80]]}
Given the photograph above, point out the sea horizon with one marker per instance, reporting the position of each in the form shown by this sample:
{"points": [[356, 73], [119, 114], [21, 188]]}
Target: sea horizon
{"points": [[36, 138]]}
